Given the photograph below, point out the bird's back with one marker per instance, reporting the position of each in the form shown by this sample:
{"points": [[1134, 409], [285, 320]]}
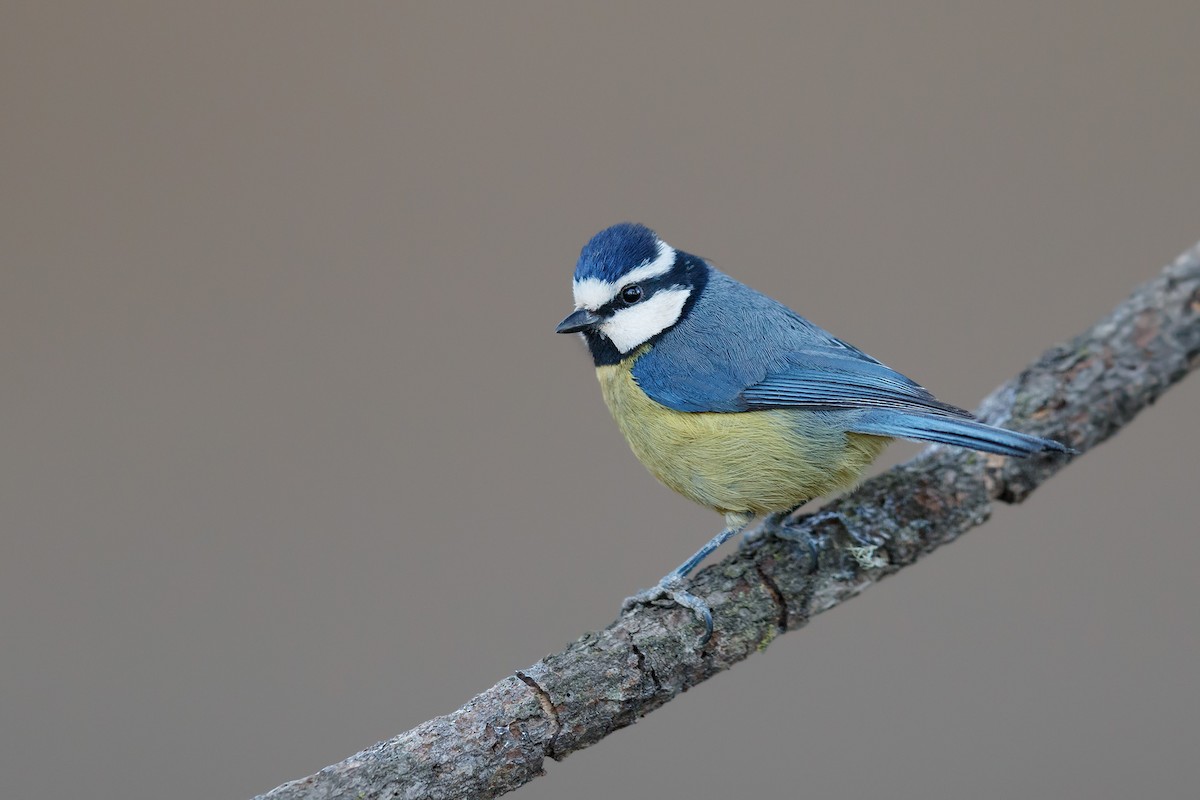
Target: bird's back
{"points": [[734, 338]]}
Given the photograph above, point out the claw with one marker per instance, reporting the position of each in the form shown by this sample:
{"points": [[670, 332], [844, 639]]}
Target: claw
{"points": [[700, 609], [664, 590], [671, 588], [815, 542], [864, 539]]}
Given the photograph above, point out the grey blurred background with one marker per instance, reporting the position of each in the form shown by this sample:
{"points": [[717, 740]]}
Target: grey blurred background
{"points": [[292, 459]]}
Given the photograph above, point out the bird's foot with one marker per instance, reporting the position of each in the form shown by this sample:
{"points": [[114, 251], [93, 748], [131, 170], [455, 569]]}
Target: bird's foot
{"points": [[776, 524], [770, 526], [671, 588], [813, 540], [860, 537], [862, 547]]}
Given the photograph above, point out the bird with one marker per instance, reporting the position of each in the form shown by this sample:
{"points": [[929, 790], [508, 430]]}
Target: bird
{"points": [[737, 402]]}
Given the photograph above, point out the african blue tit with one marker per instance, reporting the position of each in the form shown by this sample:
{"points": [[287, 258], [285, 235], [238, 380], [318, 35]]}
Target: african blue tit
{"points": [[734, 400]]}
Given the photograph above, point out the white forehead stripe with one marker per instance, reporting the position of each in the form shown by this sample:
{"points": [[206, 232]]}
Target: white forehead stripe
{"points": [[629, 327], [591, 293]]}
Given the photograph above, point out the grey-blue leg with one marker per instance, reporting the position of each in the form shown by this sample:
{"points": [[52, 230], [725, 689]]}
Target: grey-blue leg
{"points": [[671, 586], [771, 523]]}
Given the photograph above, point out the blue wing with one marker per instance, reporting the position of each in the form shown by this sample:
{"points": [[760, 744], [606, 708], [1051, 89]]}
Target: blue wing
{"points": [[742, 351], [831, 378], [739, 350]]}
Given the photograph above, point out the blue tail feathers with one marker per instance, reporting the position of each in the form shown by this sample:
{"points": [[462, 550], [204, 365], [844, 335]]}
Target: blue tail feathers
{"points": [[957, 431]]}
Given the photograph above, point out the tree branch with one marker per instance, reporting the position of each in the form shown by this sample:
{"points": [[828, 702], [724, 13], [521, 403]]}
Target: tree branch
{"points": [[1081, 393]]}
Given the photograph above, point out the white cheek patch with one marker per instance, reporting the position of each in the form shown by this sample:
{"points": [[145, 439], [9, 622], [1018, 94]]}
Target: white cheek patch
{"points": [[592, 293], [632, 326]]}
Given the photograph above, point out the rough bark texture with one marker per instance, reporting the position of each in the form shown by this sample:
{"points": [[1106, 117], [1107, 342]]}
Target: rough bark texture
{"points": [[1080, 393]]}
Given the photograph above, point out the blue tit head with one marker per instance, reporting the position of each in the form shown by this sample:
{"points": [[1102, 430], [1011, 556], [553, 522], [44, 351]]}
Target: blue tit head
{"points": [[630, 287]]}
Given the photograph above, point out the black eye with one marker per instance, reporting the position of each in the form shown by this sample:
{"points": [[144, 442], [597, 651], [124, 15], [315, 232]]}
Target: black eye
{"points": [[631, 293]]}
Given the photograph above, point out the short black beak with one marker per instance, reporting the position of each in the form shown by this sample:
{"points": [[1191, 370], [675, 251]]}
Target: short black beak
{"points": [[579, 320]]}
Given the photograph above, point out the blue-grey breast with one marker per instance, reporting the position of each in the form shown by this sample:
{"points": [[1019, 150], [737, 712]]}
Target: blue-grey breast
{"points": [[736, 401]]}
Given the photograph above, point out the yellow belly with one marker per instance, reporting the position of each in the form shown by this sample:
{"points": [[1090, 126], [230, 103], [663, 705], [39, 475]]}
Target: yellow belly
{"points": [[753, 461]]}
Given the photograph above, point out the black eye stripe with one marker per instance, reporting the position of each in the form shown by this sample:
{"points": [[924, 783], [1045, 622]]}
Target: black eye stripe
{"points": [[649, 288]]}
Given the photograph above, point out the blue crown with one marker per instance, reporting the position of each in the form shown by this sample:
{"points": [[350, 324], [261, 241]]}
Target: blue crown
{"points": [[614, 251]]}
